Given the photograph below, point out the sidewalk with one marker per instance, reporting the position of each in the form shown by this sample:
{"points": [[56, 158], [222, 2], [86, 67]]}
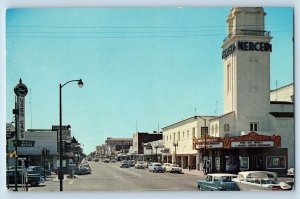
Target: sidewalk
{"points": [[194, 172]]}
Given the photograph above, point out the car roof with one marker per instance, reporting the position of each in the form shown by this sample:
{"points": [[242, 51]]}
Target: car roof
{"points": [[246, 173], [222, 174]]}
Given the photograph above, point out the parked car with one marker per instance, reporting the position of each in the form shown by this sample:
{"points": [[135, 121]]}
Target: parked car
{"points": [[260, 180], [113, 160], [140, 165], [156, 167], [124, 164], [106, 160], [33, 179], [290, 172], [173, 168], [218, 182], [131, 163], [38, 170], [96, 160], [165, 165]]}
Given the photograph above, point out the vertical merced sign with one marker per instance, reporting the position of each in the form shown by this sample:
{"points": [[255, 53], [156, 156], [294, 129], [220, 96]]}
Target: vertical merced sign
{"points": [[21, 91]]}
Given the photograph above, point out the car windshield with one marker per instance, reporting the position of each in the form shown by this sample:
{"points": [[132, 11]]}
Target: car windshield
{"points": [[227, 178], [175, 165], [157, 164]]}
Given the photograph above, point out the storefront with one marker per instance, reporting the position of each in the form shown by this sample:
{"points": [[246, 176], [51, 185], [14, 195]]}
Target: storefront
{"points": [[241, 153]]}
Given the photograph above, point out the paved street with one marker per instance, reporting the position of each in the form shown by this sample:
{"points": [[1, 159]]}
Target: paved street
{"points": [[110, 177]]}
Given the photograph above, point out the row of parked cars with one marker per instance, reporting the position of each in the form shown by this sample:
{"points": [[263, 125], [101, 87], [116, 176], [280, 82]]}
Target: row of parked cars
{"points": [[152, 166], [35, 175], [244, 181]]}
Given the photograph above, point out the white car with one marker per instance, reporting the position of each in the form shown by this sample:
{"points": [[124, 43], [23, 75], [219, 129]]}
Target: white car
{"points": [[156, 167], [173, 168], [140, 165], [166, 165]]}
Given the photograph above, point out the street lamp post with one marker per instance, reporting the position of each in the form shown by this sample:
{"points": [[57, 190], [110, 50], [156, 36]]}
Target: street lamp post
{"points": [[175, 144], [60, 174], [16, 112], [205, 134]]}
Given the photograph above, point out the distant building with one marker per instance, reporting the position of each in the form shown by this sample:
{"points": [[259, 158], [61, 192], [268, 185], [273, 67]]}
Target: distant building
{"points": [[178, 139], [117, 145], [153, 151], [140, 138], [283, 94]]}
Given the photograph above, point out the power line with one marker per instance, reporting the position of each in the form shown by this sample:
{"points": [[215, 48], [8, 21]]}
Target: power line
{"points": [[114, 37], [141, 27]]}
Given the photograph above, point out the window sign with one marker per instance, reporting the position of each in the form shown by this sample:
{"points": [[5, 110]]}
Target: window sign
{"points": [[244, 163], [276, 162]]}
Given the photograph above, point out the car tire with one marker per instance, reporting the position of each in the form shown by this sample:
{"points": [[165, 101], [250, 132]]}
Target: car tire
{"points": [[34, 183]]}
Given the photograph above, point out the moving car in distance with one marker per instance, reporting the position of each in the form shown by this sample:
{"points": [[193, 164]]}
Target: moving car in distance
{"points": [[140, 165], [260, 180], [173, 168], [84, 169], [106, 160], [218, 182], [156, 167], [124, 164]]}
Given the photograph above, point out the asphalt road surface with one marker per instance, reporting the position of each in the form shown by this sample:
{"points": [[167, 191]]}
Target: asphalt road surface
{"points": [[110, 177]]}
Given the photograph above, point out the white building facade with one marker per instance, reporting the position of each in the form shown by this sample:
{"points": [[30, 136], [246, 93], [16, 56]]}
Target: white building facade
{"points": [[178, 141], [254, 133]]}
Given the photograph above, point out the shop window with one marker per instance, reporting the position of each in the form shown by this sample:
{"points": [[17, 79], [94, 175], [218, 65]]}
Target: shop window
{"points": [[276, 162], [244, 163], [253, 126]]}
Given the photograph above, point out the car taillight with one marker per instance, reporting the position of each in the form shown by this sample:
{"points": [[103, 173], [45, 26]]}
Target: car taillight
{"points": [[222, 188], [275, 188]]}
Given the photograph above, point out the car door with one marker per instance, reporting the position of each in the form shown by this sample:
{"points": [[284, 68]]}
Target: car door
{"points": [[206, 185]]}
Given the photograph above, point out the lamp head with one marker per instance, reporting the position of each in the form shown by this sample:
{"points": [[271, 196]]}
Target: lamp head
{"points": [[80, 83]]}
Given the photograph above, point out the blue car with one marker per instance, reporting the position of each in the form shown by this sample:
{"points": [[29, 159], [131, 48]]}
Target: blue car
{"points": [[218, 182]]}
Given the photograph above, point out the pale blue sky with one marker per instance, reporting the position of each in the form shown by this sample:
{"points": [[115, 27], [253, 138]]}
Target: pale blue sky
{"points": [[150, 65]]}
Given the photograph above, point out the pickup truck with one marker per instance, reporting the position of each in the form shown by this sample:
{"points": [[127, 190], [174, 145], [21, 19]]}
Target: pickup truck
{"points": [[33, 179]]}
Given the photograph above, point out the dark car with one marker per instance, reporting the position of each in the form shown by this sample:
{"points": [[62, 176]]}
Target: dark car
{"points": [[218, 182], [33, 179], [83, 170], [38, 170]]}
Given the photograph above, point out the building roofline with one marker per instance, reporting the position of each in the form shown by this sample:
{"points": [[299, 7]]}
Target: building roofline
{"points": [[283, 87], [222, 115], [185, 120]]}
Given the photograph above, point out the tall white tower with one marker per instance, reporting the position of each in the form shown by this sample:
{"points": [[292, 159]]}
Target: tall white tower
{"points": [[246, 57]]}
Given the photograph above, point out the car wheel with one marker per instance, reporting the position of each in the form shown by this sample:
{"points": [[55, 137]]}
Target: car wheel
{"points": [[34, 183], [199, 187]]}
